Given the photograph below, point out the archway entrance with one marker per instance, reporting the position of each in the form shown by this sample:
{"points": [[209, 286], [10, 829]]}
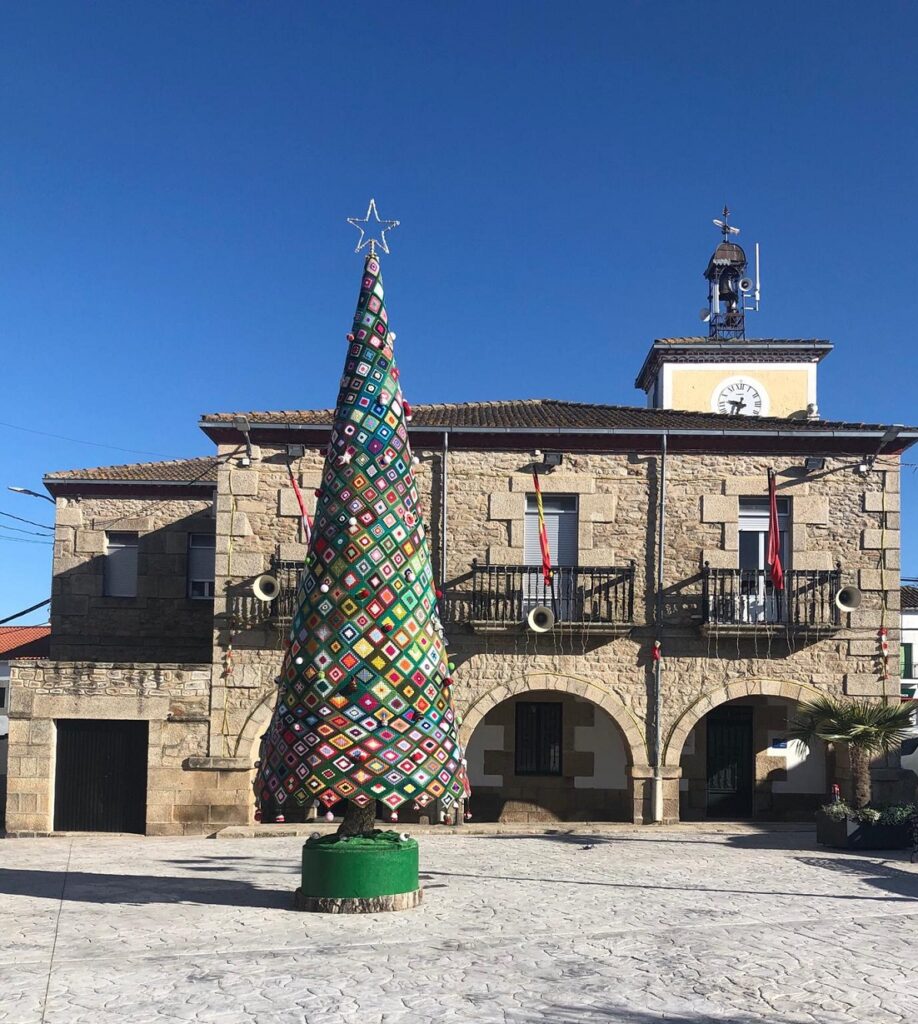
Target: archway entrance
{"points": [[548, 755], [738, 762]]}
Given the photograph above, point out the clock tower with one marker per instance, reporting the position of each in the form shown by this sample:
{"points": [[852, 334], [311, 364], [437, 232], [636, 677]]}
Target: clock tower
{"points": [[725, 371]]}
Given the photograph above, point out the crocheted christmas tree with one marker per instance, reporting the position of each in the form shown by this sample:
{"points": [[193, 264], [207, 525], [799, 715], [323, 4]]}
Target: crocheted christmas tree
{"points": [[363, 710]]}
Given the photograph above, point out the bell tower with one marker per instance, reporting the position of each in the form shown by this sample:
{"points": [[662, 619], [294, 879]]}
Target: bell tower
{"points": [[726, 372], [731, 294]]}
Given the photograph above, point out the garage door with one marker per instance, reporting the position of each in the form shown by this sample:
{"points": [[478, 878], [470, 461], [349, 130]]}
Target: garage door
{"points": [[101, 776]]}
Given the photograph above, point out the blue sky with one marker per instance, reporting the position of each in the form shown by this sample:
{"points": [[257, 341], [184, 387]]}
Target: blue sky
{"points": [[176, 177]]}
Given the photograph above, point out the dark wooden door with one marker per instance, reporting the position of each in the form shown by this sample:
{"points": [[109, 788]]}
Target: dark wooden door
{"points": [[101, 778], [730, 763]]}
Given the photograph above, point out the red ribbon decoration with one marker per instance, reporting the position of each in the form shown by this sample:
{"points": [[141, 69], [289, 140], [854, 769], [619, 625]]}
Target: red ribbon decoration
{"points": [[773, 558]]}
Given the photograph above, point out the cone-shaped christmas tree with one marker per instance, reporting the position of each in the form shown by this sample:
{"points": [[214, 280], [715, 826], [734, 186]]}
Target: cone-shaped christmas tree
{"points": [[363, 710]]}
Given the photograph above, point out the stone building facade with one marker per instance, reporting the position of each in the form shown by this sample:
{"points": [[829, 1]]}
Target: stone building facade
{"points": [[560, 724]]}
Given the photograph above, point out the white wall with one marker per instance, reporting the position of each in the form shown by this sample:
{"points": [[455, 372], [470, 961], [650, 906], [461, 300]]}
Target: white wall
{"points": [[485, 737], [609, 761]]}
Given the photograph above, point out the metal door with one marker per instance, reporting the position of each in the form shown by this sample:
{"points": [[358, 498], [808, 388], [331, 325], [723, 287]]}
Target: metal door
{"points": [[101, 778], [730, 763]]}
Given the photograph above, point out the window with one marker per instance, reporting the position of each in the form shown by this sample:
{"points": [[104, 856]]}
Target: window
{"points": [[560, 511], [121, 565], [538, 738], [201, 565], [905, 661], [758, 600], [753, 532]]}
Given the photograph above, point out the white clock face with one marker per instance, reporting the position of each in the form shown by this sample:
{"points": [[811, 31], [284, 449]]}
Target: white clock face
{"points": [[740, 396]]}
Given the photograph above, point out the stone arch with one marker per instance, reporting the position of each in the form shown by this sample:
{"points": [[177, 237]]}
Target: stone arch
{"points": [[623, 717], [257, 720], [678, 733]]}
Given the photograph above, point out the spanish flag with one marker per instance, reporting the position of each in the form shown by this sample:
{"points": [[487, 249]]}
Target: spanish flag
{"points": [[543, 533]]}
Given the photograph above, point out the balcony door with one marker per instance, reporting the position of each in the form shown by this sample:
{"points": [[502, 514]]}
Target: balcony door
{"points": [[560, 512], [758, 599]]}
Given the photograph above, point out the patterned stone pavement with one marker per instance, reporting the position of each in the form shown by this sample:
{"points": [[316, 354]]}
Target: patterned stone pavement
{"points": [[637, 926]]}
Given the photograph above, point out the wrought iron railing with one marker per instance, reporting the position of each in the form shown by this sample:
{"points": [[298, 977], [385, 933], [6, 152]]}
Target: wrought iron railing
{"points": [[287, 574], [505, 594], [747, 597]]}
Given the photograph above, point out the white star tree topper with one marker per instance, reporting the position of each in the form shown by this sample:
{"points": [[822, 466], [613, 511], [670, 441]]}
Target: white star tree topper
{"points": [[368, 226]]}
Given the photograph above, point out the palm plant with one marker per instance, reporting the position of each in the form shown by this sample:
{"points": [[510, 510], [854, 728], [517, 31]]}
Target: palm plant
{"points": [[864, 727]]}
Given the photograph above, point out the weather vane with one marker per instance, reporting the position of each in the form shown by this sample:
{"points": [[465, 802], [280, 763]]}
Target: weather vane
{"points": [[725, 226], [370, 223]]}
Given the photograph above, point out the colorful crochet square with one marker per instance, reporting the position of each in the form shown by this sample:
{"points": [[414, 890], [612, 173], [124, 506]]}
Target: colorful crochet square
{"points": [[363, 710]]}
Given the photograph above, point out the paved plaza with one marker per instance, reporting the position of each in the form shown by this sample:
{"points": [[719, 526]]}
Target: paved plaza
{"points": [[628, 925]]}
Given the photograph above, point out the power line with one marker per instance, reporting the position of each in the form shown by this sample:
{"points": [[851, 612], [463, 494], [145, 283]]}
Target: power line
{"points": [[22, 540], [106, 523], [77, 440], [19, 529], [25, 611], [31, 522]]}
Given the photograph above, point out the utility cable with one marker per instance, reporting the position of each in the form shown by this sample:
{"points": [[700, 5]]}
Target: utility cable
{"points": [[25, 611], [77, 440], [31, 522], [216, 461], [19, 529], [23, 540]]}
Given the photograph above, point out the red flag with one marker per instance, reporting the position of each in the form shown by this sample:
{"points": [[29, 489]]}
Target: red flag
{"points": [[307, 526], [543, 533], [773, 557]]}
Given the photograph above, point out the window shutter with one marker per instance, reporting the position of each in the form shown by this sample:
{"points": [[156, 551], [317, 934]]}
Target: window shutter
{"points": [[560, 525], [201, 552], [121, 565]]}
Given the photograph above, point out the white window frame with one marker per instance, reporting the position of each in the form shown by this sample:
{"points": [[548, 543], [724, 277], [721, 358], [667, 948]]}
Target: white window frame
{"points": [[206, 585], [116, 558], [761, 603]]}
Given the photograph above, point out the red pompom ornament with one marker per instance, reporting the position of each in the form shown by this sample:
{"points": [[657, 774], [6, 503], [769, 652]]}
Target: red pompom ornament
{"points": [[467, 816], [438, 593], [350, 337], [258, 814], [393, 816], [280, 819]]}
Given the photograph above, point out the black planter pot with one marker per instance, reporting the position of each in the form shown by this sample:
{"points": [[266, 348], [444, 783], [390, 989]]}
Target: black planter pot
{"points": [[848, 834]]}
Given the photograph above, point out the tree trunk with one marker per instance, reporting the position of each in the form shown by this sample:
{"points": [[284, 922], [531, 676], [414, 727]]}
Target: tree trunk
{"points": [[859, 760], [358, 820]]}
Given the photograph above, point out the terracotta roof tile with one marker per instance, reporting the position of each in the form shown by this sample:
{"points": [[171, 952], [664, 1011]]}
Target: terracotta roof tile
{"points": [[14, 637], [177, 471], [551, 413]]}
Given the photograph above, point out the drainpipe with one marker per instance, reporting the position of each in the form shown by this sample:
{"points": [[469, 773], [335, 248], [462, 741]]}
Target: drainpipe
{"points": [[443, 493], [657, 803]]}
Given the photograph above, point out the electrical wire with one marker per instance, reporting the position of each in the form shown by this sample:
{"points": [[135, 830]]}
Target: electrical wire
{"points": [[77, 440], [19, 529], [31, 522], [25, 611], [22, 540], [137, 514]]}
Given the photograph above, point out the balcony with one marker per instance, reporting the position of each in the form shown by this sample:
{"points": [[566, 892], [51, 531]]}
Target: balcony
{"points": [[744, 602], [498, 598]]}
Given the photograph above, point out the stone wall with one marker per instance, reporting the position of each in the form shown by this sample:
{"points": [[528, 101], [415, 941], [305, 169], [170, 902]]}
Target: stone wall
{"points": [[836, 515], [161, 623], [186, 791]]}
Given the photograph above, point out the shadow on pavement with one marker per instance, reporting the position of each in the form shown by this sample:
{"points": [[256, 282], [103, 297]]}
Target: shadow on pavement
{"points": [[90, 887], [908, 894], [624, 1014]]}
